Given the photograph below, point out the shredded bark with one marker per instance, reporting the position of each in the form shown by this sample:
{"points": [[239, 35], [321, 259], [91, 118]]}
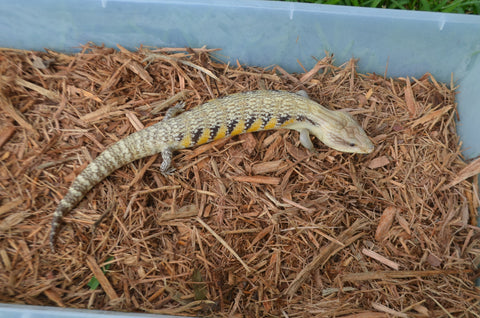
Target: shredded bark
{"points": [[253, 225]]}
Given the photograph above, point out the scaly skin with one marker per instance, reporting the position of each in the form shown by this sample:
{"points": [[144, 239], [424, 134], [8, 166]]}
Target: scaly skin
{"points": [[219, 118]]}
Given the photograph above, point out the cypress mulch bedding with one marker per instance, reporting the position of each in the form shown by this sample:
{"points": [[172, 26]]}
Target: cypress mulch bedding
{"points": [[253, 225]]}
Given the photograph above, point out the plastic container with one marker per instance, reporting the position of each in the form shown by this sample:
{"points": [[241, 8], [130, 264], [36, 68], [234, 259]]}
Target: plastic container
{"points": [[261, 33]]}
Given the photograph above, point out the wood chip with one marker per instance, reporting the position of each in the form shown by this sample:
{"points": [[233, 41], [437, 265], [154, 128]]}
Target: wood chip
{"points": [[434, 260], [55, 297], [379, 162], [267, 167], [431, 116], [389, 311], [380, 258], [409, 99], [5, 134], [8, 206], [386, 221], [379, 275], [12, 112], [257, 179], [45, 92], [472, 169], [102, 279], [320, 65]]}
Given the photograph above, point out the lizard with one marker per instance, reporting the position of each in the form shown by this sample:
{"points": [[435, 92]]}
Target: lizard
{"points": [[219, 118]]}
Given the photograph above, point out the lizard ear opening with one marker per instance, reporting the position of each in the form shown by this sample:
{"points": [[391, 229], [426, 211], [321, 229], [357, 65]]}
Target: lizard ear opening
{"points": [[342, 120]]}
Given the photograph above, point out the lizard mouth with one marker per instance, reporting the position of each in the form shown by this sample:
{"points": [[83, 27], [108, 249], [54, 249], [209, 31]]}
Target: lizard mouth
{"points": [[368, 148]]}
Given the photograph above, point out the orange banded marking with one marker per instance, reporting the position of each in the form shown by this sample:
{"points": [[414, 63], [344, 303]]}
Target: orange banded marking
{"points": [[288, 122], [271, 123], [238, 128], [204, 137], [222, 133], [186, 141], [257, 125]]}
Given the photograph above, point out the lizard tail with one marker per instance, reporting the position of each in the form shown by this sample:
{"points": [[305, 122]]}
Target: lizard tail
{"points": [[116, 156]]}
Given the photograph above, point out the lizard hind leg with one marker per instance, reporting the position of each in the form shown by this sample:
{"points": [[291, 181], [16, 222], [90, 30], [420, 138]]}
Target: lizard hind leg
{"points": [[165, 167]]}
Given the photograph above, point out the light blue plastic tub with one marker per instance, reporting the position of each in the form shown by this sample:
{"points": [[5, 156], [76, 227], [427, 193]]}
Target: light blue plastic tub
{"points": [[262, 33]]}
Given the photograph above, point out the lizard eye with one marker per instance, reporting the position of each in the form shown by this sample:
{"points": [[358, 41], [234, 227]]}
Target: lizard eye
{"points": [[352, 144]]}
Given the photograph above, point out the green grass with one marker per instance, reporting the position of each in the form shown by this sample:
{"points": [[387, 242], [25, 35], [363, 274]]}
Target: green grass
{"points": [[449, 6]]}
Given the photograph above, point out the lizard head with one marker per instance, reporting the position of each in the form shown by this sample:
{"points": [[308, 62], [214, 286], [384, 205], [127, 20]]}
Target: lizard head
{"points": [[341, 132], [346, 135]]}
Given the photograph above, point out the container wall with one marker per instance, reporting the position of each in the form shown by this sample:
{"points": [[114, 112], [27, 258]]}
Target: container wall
{"points": [[21, 311]]}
